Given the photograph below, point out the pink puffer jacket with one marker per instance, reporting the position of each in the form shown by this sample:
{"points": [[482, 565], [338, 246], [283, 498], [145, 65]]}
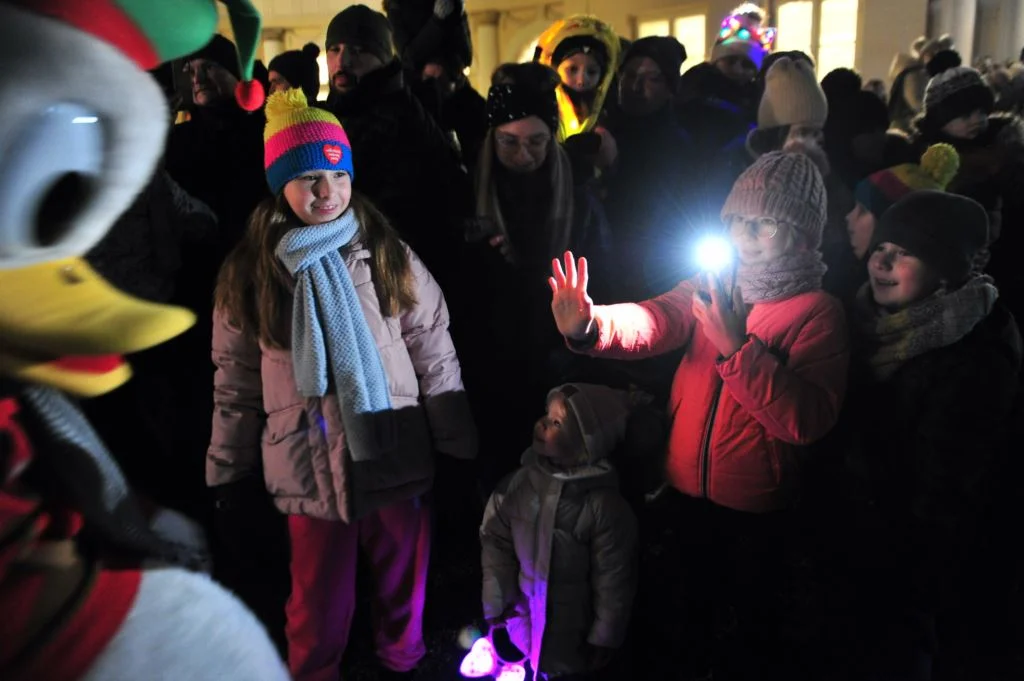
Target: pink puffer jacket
{"points": [[306, 465]]}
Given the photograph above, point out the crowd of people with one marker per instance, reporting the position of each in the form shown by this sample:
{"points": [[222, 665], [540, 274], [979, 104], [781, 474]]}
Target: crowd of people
{"points": [[467, 360]]}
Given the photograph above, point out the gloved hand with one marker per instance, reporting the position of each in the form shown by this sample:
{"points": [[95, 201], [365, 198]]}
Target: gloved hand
{"points": [[247, 525], [445, 8], [599, 657]]}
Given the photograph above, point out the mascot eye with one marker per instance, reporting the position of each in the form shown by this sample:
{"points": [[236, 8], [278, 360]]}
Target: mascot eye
{"points": [[48, 174]]}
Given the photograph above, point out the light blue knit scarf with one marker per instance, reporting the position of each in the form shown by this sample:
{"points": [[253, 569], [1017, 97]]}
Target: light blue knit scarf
{"points": [[330, 336]]}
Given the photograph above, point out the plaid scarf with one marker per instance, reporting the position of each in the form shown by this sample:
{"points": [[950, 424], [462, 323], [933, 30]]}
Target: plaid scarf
{"points": [[940, 320]]}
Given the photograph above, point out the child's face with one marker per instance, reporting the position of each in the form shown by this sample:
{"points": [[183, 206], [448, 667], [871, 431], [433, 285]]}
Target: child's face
{"points": [[319, 196], [967, 127], [556, 435], [759, 239], [581, 72], [898, 278], [860, 225]]}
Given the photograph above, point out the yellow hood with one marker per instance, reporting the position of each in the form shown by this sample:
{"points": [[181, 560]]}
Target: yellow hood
{"points": [[63, 325], [579, 25]]}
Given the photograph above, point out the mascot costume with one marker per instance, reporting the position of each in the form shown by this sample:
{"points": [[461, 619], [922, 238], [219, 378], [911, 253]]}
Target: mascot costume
{"points": [[87, 587]]}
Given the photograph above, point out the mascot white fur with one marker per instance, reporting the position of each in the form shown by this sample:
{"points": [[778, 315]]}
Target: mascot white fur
{"points": [[82, 129]]}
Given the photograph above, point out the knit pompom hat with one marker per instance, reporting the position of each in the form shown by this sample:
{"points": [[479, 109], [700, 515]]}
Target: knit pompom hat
{"points": [[792, 96], [878, 192], [602, 414], [784, 186], [300, 69], [956, 92], [300, 138], [151, 33], [741, 35]]}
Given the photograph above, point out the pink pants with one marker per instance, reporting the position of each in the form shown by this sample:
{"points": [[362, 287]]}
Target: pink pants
{"points": [[396, 541]]}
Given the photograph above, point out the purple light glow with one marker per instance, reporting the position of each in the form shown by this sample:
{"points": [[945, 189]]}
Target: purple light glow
{"points": [[481, 661], [512, 672]]}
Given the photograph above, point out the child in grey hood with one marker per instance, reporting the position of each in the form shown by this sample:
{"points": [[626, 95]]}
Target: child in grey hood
{"points": [[559, 540]]}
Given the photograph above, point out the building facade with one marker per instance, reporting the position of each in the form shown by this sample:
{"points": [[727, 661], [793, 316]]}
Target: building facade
{"points": [[865, 34]]}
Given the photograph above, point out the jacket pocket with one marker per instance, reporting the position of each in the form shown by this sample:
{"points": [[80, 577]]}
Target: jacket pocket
{"points": [[288, 454]]}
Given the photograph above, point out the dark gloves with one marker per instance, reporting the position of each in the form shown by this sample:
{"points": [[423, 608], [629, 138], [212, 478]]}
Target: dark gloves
{"points": [[445, 8]]}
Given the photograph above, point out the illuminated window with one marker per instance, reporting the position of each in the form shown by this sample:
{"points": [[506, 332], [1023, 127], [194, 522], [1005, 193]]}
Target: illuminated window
{"points": [[325, 78], [796, 24], [837, 42], [527, 54], [692, 33], [647, 29]]}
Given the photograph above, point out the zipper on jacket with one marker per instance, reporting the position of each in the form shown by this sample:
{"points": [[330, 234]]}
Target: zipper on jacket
{"points": [[705, 448]]}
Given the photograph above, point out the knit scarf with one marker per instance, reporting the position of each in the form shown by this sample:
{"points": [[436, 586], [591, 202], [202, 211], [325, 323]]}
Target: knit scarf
{"points": [[938, 321], [330, 336], [782, 278]]}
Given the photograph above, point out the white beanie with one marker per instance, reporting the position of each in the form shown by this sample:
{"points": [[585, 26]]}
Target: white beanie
{"points": [[792, 96]]}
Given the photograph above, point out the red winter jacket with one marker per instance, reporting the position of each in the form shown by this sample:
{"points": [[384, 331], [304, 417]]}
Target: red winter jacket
{"points": [[735, 422]]}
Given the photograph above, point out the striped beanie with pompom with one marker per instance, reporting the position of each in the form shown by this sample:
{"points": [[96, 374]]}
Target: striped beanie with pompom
{"points": [[151, 32], [879, 191], [300, 138]]}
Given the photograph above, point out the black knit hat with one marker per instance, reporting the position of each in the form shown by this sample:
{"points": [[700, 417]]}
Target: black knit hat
{"points": [[956, 92], [359, 25], [943, 230], [581, 43], [667, 52], [221, 51], [943, 60], [300, 69]]}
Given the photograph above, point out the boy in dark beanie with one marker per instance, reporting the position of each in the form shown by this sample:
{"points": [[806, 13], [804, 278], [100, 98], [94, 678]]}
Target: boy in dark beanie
{"points": [[297, 69]]}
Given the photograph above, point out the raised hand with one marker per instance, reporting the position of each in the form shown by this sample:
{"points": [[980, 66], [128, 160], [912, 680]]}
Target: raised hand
{"points": [[723, 319], [572, 307]]}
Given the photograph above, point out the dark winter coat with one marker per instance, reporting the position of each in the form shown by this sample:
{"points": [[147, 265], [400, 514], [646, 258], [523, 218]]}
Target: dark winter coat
{"points": [[421, 36], [653, 206], [561, 548], [464, 113], [217, 157], [406, 165], [992, 173], [926, 447], [142, 252]]}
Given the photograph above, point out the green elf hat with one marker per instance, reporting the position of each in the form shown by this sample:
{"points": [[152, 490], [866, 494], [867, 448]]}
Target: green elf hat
{"points": [[151, 32]]}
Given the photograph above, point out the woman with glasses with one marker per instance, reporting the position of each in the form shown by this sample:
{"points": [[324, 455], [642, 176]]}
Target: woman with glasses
{"points": [[529, 209], [763, 374]]}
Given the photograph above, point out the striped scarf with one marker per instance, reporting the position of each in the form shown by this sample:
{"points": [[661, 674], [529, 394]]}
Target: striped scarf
{"points": [[938, 321]]}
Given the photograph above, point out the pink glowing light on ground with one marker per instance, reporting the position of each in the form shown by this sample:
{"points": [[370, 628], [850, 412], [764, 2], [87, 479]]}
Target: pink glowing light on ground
{"points": [[512, 672], [481, 661]]}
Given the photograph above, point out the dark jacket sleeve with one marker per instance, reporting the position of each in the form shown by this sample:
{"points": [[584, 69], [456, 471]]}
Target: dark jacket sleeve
{"points": [[614, 569], [499, 562]]}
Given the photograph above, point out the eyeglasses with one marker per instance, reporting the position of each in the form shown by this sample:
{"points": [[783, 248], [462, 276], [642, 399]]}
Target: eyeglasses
{"points": [[512, 143], [761, 227]]}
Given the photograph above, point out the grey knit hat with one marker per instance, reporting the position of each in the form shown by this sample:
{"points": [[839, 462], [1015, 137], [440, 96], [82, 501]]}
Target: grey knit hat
{"points": [[784, 186], [956, 92]]}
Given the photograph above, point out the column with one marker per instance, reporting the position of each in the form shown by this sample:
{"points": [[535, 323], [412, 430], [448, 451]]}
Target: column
{"points": [[273, 45], [963, 13], [1015, 16], [485, 50]]}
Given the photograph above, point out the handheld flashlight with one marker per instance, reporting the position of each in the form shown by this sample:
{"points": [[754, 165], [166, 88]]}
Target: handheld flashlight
{"points": [[714, 254]]}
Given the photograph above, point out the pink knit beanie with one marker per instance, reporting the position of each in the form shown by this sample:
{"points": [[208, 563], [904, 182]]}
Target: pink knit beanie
{"points": [[784, 186]]}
